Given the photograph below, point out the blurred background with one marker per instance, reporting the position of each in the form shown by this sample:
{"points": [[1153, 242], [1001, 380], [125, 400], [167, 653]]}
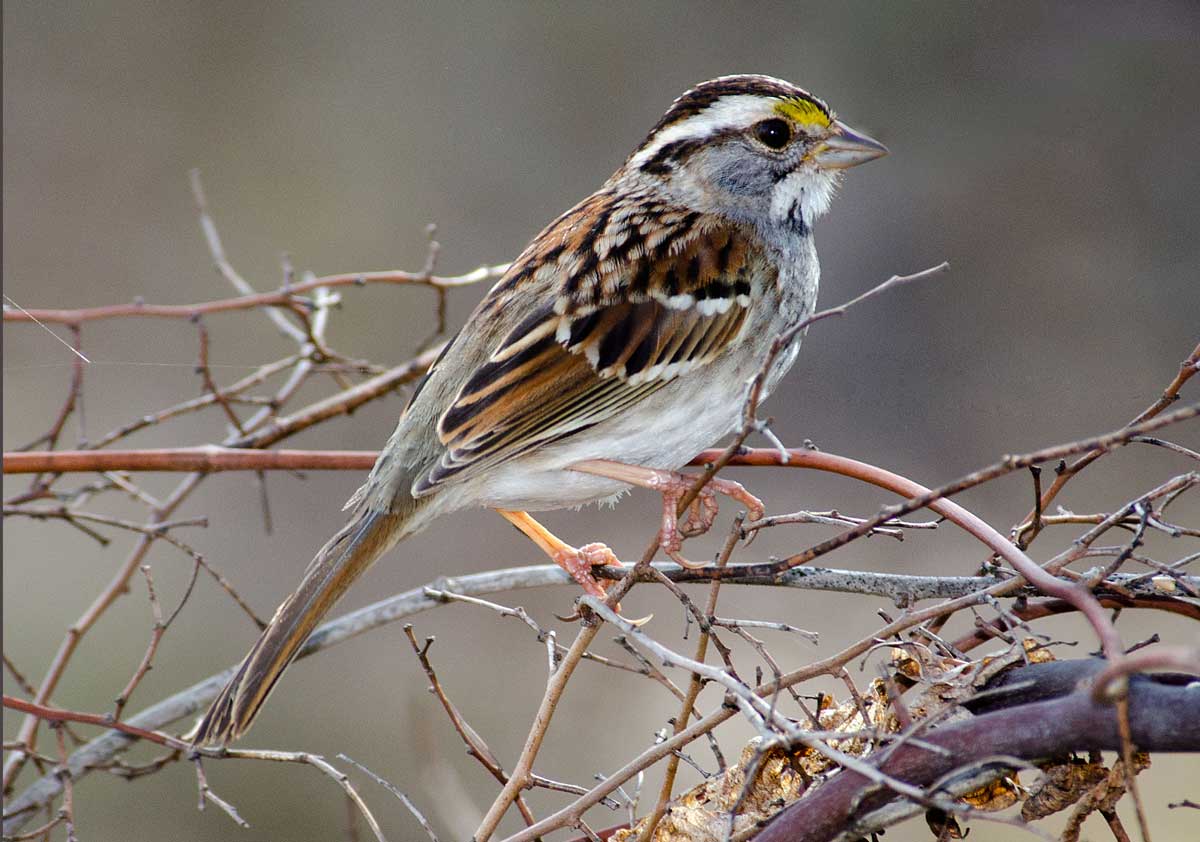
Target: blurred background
{"points": [[1047, 151]]}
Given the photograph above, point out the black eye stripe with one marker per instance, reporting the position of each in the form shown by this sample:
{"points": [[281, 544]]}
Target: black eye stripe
{"points": [[773, 133]]}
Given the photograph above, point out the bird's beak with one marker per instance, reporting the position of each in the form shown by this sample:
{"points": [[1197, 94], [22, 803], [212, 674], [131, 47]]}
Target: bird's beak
{"points": [[846, 148]]}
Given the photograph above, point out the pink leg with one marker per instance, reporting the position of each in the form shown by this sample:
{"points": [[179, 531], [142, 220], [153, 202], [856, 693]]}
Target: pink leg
{"points": [[577, 562], [673, 485]]}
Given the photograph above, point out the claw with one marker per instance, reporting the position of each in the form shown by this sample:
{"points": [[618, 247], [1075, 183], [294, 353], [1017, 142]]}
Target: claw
{"points": [[700, 515]]}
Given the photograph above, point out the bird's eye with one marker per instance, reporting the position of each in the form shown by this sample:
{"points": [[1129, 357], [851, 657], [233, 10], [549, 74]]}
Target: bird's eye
{"points": [[774, 133]]}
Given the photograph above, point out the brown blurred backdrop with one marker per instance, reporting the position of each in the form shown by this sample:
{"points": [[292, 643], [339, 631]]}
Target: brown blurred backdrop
{"points": [[1048, 151]]}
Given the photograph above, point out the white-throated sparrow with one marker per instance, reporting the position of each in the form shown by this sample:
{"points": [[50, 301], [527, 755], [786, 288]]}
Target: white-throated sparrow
{"points": [[616, 346]]}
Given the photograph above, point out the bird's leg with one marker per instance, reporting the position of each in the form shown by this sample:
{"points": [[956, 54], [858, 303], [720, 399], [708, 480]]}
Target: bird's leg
{"points": [[578, 562], [673, 485]]}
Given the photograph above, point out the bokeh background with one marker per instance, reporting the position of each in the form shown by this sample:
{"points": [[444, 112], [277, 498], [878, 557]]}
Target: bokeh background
{"points": [[1047, 150]]}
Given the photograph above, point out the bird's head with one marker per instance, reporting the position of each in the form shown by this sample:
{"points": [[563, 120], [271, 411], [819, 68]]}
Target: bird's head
{"points": [[752, 148]]}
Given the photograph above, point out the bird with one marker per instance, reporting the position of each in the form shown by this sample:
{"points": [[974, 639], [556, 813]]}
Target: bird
{"points": [[618, 345]]}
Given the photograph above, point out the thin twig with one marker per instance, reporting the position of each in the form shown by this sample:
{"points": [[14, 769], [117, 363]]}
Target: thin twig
{"points": [[324, 767], [68, 805], [520, 776], [394, 790], [206, 794], [156, 633], [1066, 472], [253, 301], [476, 746], [694, 687]]}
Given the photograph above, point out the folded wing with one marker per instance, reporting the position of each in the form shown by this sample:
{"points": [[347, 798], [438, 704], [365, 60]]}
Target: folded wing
{"points": [[627, 319]]}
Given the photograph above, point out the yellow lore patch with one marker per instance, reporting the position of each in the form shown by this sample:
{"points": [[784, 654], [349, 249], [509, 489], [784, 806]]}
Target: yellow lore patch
{"points": [[803, 111]]}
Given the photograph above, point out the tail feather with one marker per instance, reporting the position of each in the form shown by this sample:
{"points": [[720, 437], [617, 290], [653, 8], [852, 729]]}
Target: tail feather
{"points": [[342, 560]]}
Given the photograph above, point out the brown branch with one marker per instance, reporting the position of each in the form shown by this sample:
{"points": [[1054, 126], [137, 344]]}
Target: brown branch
{"points": [[210, 458], [340, 403], [205, 459], [231, 392], [290, 297], [693, 691], [476, 746], [1050, 607], [210, 385], [74, 393], [117, 585], [104, 720], [523, 772], [156, 632], [1162, 718], [920, 497], [68, 805], [1188, 368]]}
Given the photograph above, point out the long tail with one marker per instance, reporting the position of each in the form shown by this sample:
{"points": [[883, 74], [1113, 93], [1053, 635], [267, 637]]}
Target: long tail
{"points": [[342, 560]]}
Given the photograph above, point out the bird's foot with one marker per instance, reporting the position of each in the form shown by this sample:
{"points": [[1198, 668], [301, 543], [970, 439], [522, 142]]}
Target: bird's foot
{"points": [[579, 563], [673, 486]]}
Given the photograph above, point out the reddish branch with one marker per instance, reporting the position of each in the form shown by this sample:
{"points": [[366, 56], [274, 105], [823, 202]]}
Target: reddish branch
{"points": [[206, 459], [209, 458], [250, 457], [1162, 717], [999, 626], [104, 720], [1074, 721], [476, 747], [1187, 369], [290, 297]]}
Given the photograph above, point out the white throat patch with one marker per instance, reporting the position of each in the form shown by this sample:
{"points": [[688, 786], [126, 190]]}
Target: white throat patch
{"points": [[807, 190]]}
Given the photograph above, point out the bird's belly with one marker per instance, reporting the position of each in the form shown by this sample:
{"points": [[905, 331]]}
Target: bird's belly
{"points": [[666, 431]]}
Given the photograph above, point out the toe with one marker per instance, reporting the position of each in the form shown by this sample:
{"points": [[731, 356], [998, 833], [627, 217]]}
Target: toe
{"points": [[580, 568], [598, 555]]}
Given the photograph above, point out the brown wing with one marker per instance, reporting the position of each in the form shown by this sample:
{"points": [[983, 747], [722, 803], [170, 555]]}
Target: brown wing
{"points": [[635, 308]]}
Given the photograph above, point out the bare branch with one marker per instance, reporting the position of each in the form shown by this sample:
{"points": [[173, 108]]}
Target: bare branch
{"points": [[290, 297], [394, 790]]}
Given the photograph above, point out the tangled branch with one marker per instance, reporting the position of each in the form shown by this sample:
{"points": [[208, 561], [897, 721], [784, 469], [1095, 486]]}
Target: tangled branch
{"points": [[936, 723]]}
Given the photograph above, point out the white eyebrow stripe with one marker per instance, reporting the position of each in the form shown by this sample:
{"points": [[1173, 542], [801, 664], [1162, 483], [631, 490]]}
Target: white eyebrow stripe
{"points": [[735, 111]]}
